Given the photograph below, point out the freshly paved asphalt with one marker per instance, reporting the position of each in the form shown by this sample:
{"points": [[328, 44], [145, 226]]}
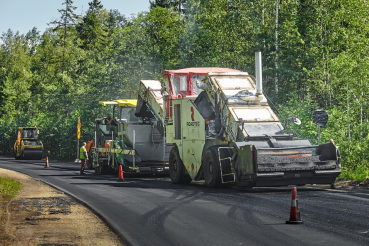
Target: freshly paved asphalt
{"points": [[153, 211]]}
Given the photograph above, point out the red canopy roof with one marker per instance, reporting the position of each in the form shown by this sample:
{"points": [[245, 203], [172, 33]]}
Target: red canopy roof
{"points": [[189, 72], [200, 70]]}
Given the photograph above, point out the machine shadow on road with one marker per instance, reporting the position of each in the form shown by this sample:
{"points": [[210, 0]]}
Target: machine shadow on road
{"points": [[165, 184], [58, 175]]}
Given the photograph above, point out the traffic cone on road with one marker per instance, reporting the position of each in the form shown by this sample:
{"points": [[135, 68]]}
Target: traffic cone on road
{"points": [[47, 162], [294, 213], [120, 175]]}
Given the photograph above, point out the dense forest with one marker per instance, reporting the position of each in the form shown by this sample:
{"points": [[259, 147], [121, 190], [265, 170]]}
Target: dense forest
{"points": [[315, 56]]}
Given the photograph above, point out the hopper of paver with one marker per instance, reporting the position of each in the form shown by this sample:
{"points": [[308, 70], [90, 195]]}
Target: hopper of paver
{"points": [[181, 83]]}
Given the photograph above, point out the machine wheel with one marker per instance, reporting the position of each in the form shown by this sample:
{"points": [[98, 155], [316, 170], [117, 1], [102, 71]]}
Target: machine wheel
{"points": [[212, 168], [100, 169], [176, 168]]}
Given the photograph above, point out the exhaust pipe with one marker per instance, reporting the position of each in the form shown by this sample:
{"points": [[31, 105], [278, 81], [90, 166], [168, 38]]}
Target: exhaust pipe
{"points": [[258, 72]]}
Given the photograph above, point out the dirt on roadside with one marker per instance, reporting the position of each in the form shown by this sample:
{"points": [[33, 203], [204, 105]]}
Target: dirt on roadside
{"points": [[353, 184], [43, 216]]}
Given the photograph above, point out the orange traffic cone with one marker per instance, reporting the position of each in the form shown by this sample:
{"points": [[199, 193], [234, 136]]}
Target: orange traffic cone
{"points": [[47, 162], [120, 175], [294, 213]]}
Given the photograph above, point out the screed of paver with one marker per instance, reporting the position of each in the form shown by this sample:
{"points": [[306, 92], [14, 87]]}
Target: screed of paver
{"points": [[41, 215]]}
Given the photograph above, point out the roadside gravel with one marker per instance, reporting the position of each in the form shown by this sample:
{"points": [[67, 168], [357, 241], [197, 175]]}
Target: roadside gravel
{"points": [[41, 215]]}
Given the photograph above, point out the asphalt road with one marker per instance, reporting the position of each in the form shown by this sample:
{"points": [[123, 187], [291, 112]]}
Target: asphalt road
{"points": [[153, 211]]}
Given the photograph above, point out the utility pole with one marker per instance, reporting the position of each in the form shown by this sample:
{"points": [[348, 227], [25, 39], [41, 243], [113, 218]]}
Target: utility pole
{"points": [[276, 46], [348, 113]]}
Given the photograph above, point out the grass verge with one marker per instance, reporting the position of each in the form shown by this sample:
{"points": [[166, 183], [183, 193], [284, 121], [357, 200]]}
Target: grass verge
{"points": [[9, 187], [360, 172]]}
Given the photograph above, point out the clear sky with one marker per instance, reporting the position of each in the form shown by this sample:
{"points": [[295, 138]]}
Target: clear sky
{"points": [[23, 15]]}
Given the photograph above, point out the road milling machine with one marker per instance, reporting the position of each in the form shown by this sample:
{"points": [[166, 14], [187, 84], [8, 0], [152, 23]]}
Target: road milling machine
{"points": [[227, 133], [27, 146]]}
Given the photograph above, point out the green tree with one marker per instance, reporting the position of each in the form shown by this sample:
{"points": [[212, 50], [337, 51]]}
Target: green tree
{"points": [[64, 26], [67, 19], [14, 74], [92, 30], [177, 5]]}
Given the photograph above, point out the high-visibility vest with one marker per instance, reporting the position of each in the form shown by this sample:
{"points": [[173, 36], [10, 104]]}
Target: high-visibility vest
{"points": [[81, 155]]}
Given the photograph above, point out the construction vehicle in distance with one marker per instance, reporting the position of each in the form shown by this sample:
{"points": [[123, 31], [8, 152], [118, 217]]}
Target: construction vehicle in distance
{"points": [[27, 146], [127, 140], [220, 128]]}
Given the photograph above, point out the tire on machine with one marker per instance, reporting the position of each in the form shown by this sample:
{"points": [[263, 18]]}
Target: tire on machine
{"points": [[100, 169], [211, 167], [177, 170]]}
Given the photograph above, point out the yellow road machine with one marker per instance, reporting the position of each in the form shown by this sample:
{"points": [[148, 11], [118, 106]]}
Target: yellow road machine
{"points": [[27, 146]]}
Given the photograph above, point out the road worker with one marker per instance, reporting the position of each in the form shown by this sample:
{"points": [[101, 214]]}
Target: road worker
{"points": [[109, 120], [83, 157]]}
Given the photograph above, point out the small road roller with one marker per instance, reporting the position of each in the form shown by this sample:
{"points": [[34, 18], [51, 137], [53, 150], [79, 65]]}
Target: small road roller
{"points": [[27, 146]]}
